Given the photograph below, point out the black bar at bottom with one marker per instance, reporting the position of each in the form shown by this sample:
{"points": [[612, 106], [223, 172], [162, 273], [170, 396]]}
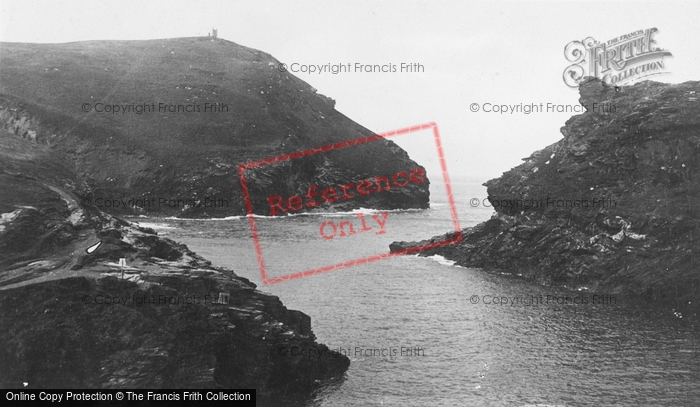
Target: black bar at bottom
{"points": [[109, 397]]}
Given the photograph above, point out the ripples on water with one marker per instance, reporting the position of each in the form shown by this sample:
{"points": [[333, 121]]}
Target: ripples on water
{"points": [[472, 354]]}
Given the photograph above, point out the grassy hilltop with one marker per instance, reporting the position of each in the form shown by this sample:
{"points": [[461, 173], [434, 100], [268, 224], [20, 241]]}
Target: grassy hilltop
{"points": [[261, 112]]}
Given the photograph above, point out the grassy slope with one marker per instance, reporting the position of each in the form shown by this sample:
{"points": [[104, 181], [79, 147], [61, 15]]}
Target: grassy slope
{"points": [[176, 155]]}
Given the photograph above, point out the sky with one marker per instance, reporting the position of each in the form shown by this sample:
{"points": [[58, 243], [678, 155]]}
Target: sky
{"points": [[471, 52]]}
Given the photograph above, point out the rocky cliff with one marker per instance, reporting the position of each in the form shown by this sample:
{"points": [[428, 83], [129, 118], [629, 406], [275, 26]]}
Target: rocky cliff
{"points": [[612, 207], [71, 319], [159, 127]]}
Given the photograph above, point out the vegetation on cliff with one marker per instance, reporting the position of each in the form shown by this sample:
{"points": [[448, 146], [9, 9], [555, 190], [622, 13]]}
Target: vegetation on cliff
{"points": [[172, 119], [69, 319]]}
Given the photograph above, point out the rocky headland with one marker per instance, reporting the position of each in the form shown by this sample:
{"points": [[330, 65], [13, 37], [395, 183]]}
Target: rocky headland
{"points": [[160, 127], [169, 319], [613, 207]]}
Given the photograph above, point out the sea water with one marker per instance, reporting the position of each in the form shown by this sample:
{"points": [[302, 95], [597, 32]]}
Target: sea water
{"points": [[422, 331]]}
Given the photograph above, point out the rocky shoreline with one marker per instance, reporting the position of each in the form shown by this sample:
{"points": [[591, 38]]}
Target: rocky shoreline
{"points": [[70, 320], [613, 207], [96, 129]]}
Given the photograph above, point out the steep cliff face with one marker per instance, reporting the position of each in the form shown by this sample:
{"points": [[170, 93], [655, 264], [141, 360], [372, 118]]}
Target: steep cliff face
{"points": [[69, 319], [613, 206], [171, 120]]}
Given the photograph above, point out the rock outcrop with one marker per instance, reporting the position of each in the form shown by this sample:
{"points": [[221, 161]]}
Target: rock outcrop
{"points": [[160, 127], [70, 320], [613, 206]]}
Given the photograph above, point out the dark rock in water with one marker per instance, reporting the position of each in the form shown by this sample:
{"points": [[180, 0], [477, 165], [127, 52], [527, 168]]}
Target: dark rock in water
{"points": [[160, 126], [69, 320], [614, 206]]}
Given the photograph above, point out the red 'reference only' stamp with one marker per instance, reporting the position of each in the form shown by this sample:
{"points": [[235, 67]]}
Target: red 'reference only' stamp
{"points": [[279, 205]]}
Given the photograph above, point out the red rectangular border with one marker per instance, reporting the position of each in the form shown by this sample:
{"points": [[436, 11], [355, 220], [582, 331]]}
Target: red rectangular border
{"points": [[344, 144]]}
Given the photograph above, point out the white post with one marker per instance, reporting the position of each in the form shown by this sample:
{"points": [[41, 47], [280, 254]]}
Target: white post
{"points": [[122, 264]]}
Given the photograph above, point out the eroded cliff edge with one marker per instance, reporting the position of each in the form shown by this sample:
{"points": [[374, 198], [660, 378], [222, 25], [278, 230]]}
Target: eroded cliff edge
{"points": [[69, 320], [159, 127], [612, 207]]}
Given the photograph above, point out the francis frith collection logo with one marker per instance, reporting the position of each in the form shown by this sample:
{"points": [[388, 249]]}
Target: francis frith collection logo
{"points": [[619, 61]]}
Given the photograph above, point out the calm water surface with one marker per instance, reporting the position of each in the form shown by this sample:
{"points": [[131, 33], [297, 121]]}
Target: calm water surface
{"points": [[471, 351]]}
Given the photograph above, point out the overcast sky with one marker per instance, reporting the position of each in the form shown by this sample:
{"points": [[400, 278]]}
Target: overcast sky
{"points": [[472, 52]]}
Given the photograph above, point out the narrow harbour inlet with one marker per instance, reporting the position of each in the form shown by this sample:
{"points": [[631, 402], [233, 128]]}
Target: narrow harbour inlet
{"points": [[421, 329]]}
